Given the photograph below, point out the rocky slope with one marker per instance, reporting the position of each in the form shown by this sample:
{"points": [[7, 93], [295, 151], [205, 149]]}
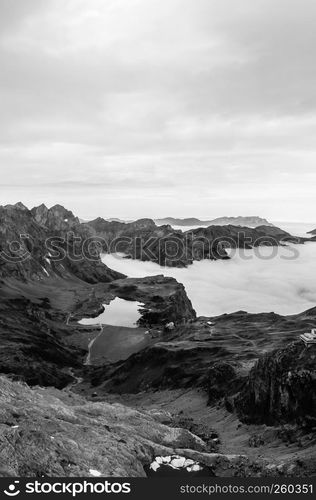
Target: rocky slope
{"points": [[281, 388], [46, 432], [32, 349], [214, 353], [47, 242]]}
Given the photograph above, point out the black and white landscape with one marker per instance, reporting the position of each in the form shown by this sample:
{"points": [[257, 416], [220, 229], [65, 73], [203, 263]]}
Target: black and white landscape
{"points": [[157, 238]]}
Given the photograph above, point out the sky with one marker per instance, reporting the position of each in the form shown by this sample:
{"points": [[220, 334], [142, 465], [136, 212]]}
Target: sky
{"points": [[152, 108]]}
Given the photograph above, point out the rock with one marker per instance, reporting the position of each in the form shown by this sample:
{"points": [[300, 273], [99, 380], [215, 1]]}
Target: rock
{"points": [[170, 326], [164, 299], [281, 388], [222, 380], [48, 243], [178, 462], [85, 435], [154, 466], [32, 349]]}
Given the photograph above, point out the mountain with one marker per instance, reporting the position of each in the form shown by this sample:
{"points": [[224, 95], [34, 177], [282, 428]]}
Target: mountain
{"points": [[44, 274], [48, 276], [312, 232], [115, 219], [177, 384], [144, 240], [190, 221], [250, 221], [40, 243]]}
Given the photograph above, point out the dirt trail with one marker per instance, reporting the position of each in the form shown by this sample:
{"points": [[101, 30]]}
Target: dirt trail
{"points": [[87, 361]]}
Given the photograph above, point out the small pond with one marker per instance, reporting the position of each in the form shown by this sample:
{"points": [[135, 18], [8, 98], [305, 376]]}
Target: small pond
{"points": [[119, 312]]}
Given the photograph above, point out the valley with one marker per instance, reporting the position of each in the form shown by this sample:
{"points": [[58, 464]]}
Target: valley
{"points": [[173, 384]]}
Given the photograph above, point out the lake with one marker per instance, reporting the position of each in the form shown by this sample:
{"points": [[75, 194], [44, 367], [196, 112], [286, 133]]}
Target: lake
{"points": [[118, 313]]}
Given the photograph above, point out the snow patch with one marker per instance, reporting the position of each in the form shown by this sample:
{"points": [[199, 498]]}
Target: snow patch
{"points": [[95, 473], [45, 271]]}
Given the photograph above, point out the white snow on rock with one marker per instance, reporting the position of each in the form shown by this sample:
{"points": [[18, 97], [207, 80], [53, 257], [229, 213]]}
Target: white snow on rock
{"points": [[188, 462], [176, 462], [45, 271], [154, 466], [95, 473], [194, 468]]}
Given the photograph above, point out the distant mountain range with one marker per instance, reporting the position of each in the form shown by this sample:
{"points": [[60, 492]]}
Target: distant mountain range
{"points": [[249, 221]]}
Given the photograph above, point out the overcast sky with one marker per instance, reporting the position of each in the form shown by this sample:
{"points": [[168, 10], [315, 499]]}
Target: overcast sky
{"points": [[134, 108]]}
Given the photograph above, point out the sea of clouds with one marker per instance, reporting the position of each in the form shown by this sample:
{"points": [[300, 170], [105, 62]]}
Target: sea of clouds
{"points": [[279, 279]]}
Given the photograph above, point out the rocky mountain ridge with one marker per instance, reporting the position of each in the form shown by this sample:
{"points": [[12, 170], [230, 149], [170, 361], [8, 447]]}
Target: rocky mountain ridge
{"points": [[250, 221], [38, 243], [75, 247], [144, 240]]}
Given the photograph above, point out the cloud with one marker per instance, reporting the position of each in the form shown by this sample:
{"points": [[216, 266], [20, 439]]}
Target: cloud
{"points": [[163, 90], [267, 281]]}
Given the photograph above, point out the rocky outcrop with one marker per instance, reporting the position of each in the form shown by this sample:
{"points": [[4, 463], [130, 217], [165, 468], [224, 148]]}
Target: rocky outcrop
{"points": [[31, 349], [55, 219], [230, 236], [165, 299], [165, 365], [281, 388], [44, 243], [222, 381], [46, 432]]}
